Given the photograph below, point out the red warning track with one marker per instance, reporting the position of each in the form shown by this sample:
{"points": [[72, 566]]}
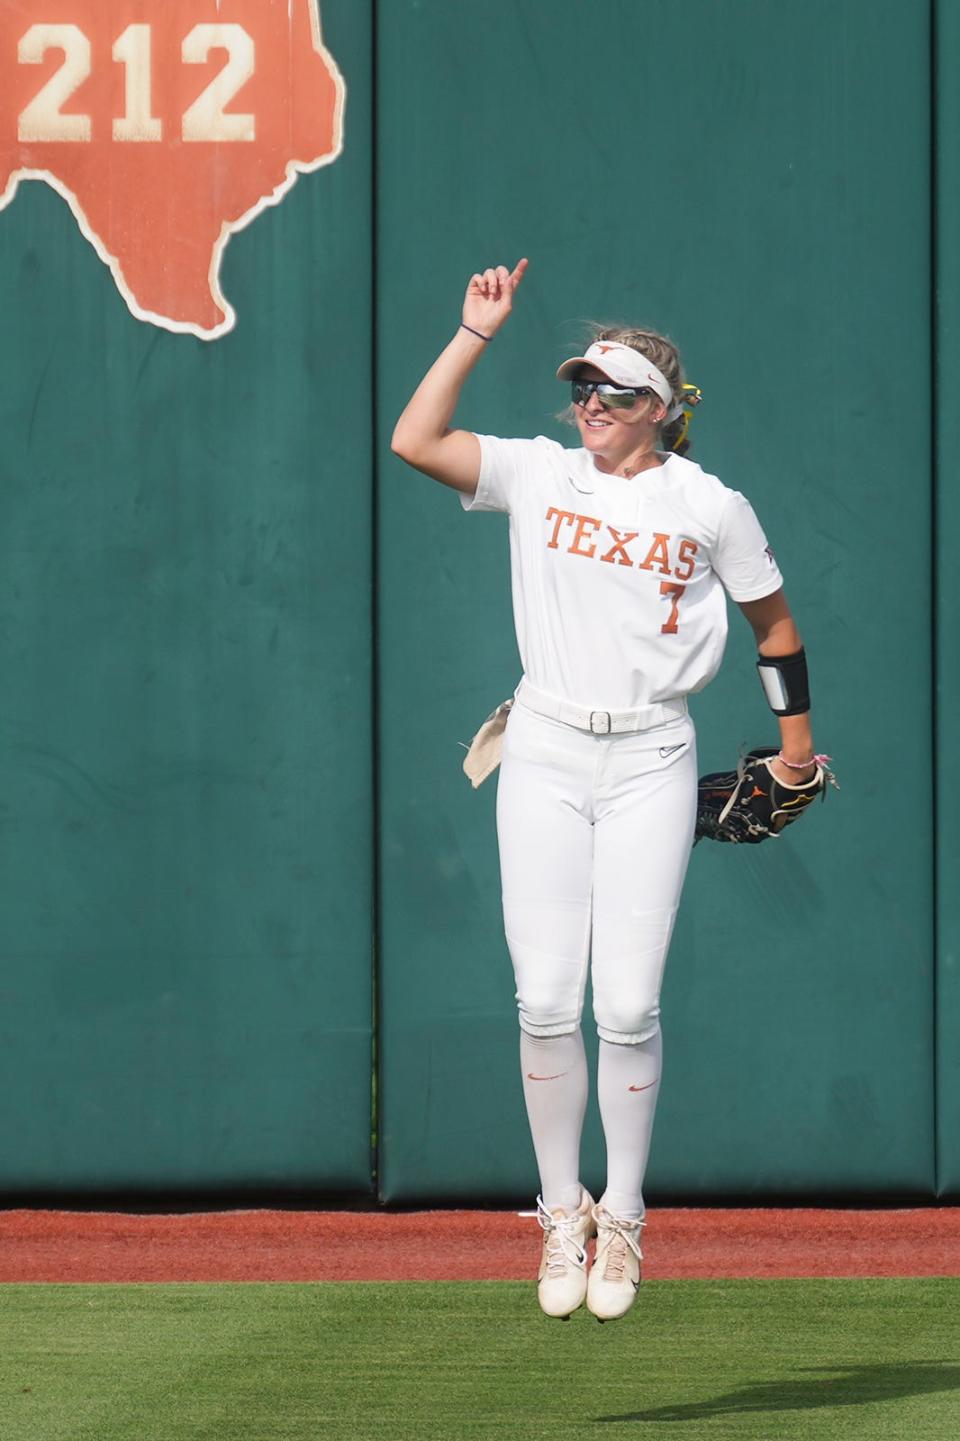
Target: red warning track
{"points": [[461, 1245]]}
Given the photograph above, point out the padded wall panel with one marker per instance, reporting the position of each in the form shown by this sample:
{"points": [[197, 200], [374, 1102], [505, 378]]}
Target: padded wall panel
{"points": [[743, 201], [947, 629], [185, 957]]}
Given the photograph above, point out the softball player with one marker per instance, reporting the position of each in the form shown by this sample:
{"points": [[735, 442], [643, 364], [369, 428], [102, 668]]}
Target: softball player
{"points": [[621, 552]]}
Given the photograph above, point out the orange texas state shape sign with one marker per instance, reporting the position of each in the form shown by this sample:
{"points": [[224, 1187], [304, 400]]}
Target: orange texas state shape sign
{"points": [[167, 125]]}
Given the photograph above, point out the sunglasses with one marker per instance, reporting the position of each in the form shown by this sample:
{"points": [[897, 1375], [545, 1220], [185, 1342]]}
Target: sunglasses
{"points": [[610, 396]]}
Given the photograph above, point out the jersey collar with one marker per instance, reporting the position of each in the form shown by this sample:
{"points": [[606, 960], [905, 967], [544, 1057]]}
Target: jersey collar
{"points": [[583, 473]]}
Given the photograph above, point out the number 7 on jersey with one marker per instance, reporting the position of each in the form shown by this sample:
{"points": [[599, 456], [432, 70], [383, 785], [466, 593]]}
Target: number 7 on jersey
{"points": [[671, 588]]}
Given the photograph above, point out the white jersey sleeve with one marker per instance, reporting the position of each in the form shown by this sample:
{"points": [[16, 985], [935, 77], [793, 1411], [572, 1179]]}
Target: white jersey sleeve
{"points": [[742, 557], [503, 466]]}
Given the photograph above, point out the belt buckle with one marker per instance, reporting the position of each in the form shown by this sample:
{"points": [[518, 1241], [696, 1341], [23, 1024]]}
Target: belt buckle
{"points": [[600, 722]]}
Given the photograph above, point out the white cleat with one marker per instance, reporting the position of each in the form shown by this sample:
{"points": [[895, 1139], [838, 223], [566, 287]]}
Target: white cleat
{"points": [[562, 1278], [615, 1274]]}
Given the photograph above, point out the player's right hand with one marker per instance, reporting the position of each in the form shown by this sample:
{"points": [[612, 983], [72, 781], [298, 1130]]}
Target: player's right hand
{"points": [[489, 297]]}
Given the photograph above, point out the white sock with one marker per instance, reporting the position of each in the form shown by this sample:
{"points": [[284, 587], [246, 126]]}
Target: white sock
{"points": [[555, 1090], [628, 1084]]}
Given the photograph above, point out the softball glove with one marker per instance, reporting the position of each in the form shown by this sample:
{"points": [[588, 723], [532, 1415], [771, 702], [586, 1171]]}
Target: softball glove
{"points": [[749, 804]]}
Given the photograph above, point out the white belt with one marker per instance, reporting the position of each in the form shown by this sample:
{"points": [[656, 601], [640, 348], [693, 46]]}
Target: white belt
{"points": [[600, 722]]}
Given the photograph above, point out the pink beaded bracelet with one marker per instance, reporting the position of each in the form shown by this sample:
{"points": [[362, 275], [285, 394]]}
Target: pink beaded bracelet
{"points": [[813, 761]]}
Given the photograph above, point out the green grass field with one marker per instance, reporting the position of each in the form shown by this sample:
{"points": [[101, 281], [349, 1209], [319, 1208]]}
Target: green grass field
{"points": [[764, 1360]]}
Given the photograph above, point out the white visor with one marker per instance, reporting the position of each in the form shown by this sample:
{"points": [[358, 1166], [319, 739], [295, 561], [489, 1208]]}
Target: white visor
{"points": [[624, 366]]}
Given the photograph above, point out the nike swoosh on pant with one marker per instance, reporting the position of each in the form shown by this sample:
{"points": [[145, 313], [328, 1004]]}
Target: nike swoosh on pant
{"points": [[669, 750], [532, 1077], [643, 1088]]}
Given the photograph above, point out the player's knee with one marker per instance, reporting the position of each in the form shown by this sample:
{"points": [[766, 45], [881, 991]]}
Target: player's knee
{"points": [[626, 1025], [545, 1013], [549, 990]]}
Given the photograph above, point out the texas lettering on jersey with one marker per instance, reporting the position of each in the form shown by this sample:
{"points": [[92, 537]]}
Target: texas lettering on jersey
{"points": [[167, 126], [584, 535]]}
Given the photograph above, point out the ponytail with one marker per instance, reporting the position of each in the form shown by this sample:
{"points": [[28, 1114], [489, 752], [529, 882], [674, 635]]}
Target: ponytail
{"points": [[676, 437]]}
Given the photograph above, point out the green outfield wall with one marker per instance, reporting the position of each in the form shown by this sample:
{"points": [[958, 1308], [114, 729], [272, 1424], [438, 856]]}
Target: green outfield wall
{"points": [[242, 876], [185, 732], [946, 593]]}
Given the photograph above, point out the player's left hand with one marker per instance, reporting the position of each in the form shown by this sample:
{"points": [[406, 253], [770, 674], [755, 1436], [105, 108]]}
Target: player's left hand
{"points": [[752, 804], [788, 776]]}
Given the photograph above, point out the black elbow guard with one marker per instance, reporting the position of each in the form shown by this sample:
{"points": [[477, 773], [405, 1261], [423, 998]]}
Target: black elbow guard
{"points": [[785, 683]]}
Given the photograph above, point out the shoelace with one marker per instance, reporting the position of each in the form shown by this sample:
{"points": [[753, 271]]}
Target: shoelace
{"points": [[562, 1247], [626, 1236]]}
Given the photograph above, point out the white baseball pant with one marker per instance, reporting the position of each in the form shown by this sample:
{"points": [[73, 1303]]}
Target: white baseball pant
{"points": [[595, 833]]}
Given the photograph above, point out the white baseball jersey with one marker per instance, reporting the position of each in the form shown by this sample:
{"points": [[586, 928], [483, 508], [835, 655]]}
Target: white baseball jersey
{"points": [[618, 585]]}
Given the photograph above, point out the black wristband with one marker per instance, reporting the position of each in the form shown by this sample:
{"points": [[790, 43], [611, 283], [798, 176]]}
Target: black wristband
{"points": [[464, 326], [785, 682]]}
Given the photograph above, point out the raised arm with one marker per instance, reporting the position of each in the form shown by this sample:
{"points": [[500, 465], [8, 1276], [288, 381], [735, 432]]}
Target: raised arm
{"points": [[422, 436], [777, 637]]}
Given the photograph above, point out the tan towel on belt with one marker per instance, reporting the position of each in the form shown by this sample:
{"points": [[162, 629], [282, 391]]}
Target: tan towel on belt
{"points": [[483, 757]]}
